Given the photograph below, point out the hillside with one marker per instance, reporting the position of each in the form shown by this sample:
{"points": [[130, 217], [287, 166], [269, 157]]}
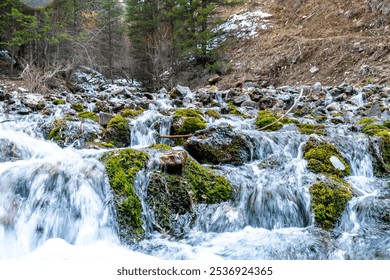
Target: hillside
{"points": [[312, 41]]}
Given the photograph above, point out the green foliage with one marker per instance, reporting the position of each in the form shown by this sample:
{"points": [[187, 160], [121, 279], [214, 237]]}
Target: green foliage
{"points": [[88, 115], [318, 155], [329, 199], [122, 167], [220, 67]]}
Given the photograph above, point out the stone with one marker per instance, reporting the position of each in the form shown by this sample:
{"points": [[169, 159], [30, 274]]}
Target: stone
{"points": [[337, 163], [173, 162], [242, 98], [104, 118], [314, 70], [214, 79]]}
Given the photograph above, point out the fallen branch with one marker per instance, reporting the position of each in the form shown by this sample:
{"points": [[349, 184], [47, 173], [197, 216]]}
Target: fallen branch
{"points": [[175, 136], [285, 114]]}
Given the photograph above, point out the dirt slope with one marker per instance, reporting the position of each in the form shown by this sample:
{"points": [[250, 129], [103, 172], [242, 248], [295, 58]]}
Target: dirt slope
{"points": [[326, 41]]}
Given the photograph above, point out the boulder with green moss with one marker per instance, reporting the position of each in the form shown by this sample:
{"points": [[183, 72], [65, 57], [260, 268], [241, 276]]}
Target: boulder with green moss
{"points": [[265, 118], [172, 194], [220, 144], [122, 167], [379, 147], [325, 158], [312, 129], [187, 121], [118, 131], [329, 197], [69, 130]]}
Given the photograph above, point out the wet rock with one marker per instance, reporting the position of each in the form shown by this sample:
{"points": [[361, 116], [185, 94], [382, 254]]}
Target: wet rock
{"points": [[218, 145], [173, 162], [9, 151], [250, 104], [104, 118], [179, 92], [240, 99]]}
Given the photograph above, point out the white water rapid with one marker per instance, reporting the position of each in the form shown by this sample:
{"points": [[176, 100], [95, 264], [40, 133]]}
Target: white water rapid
{"points": [[56, 202]]}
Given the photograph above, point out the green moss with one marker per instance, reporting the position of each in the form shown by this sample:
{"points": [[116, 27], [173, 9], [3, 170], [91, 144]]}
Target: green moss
{"points": [[365, 121], [122, 167], [318, 155], [160, 147], [337, 114], [213, 113], [387, 124], [187, 112], [190, 125], [88, 115], [55, 133], [78, 107], [59, 101], [373, 129], [235, 111], [328, 199], [129, 113], [265, 117], [208, 187], [312, 129], [321, 119], [100, 144]]}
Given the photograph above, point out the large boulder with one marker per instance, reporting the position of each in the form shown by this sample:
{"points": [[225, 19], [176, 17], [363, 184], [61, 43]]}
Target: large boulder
{"points": [[217, 145]]}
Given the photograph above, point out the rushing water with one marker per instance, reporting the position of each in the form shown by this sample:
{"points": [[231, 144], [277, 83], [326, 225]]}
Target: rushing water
{"points": [[56, 202]]}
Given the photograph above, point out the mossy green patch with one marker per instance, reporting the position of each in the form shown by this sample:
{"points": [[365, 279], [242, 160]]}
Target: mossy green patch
{"points": [[213, 114], [174, 194], [187, 112], [312, 129], [328, 199], [78, 107], [318, 155], [164, 147], [365, 121], [59, 101], [234, 111], [265, 117], [122, 167], [190, 125], [88, 115], [130, 113], [383, 132]]}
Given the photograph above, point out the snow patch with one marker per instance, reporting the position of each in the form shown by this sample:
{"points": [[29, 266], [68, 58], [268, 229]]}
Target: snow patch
{"points": [[243, 25]]}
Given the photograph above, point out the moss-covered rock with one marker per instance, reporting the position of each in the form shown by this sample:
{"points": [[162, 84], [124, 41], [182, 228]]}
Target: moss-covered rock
{"points": [[170, 195], [88, 115], [234, 111], [312, 129], [380, 149], [187, 121], [329, 198], [321, 158], [213, 114], [118, 131], [265, 117], [78, 107], [160, 147], [219, 145], [59, 101], [130, 113], [122, 167]]}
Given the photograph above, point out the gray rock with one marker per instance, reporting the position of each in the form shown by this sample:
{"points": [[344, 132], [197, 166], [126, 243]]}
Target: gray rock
{"points": [[104, 118], [314, 70], [242, 98]]}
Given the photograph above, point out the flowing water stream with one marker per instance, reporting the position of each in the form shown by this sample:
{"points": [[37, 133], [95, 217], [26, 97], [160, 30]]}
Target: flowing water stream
{"points": [[56, 202]]}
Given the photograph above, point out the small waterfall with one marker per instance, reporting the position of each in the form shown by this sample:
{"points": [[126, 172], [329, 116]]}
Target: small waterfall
{"points": [[47, 192], [145, 128]]}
